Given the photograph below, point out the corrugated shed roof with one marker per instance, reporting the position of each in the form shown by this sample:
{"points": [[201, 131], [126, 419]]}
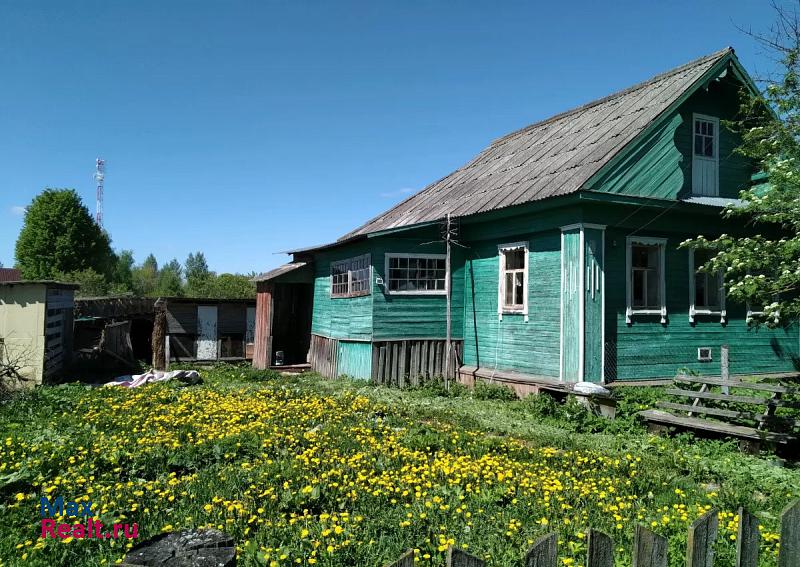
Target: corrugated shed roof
{"points": [[10, 275], [279, 271], [547, 159]]}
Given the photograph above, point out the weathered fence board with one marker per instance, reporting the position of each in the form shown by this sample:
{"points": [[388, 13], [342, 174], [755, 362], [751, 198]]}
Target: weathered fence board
{"points": [[702, 535], [789, 555], [406, 560], [459, 558], [543, 552], [649, 549], [411, 362], [747, 540], [601, 550]]}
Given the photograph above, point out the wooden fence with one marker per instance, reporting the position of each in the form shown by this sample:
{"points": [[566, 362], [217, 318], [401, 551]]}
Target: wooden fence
{"points": [[650, 549], [410, 362]]}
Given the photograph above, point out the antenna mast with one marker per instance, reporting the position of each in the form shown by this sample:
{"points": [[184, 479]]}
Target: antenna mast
{"points": [[99, 177]]}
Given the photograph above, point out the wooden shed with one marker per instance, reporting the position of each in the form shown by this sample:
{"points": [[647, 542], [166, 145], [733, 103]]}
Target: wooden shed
{"points": [[36, 328], [210, 329]]}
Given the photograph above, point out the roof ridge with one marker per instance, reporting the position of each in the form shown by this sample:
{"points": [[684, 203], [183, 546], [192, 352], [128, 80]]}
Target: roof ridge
{"points": [[586, 106]]}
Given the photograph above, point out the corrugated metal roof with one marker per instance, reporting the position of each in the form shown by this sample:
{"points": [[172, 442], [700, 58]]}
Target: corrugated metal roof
{"points": [[547, 159], [279, 271]]}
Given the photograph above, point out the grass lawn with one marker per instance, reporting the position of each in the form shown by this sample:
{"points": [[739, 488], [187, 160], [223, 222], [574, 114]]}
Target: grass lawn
{"points": [[304, 471]]}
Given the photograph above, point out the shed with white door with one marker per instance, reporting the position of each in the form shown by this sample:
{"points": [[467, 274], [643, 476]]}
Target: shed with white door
{"points": [[210, 329]]}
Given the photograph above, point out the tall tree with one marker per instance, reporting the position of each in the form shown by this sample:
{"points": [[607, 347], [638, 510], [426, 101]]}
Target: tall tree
{"points": [[196, 271], [59, 236], [145, 277], [764, 270], [170, 283], [122, 278]]}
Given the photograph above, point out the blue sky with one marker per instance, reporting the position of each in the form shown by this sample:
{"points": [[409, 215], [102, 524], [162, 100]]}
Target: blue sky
{"points": [[246, 128]]}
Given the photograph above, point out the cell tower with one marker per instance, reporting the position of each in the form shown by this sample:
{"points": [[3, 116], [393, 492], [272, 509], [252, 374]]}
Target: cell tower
{"points": [[99, 177]]}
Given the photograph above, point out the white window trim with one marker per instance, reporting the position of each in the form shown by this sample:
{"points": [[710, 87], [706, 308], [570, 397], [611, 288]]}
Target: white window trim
{"points": [[715, 120], [629, 310], [389, 255], [501, 283], [693, 310], [350, 293]]}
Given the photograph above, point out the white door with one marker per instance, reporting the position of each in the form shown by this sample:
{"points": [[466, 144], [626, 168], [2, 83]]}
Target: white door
{"points": [[206, 332], [705, 156]]}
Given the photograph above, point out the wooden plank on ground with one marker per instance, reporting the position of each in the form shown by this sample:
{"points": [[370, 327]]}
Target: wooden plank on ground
{"points": [[789, 554], [601, 550], [710, 411], [702, 535], [658, 416], [736, 384], [649, 549], [730, 398], [543, 552], [747, 540]]}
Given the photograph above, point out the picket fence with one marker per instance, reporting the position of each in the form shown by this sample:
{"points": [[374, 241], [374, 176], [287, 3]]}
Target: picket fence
{"points": [[650, 549]]}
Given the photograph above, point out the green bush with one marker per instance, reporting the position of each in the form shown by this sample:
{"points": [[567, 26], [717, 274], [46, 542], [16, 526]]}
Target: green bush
{"points": [[485, 391]]}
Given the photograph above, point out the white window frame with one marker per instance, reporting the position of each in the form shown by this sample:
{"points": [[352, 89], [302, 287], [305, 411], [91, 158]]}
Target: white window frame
{"points": [[662, 284], [348, 262], [387, 284], [712, 310], [714, 120], [501, 284]]}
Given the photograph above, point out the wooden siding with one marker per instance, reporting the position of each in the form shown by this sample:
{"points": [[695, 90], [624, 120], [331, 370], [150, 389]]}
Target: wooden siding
{"points": [[512, 343], [570, 304], [354, 359], [342, 317], [232, 318], [647, 349], [660, 165], [324, 355], [593, 305], [181, 318], [721, 101], [262, 349], [398, 316]]}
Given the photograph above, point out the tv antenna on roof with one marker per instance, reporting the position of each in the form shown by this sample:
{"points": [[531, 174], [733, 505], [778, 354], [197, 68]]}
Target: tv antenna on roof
{"points": [[99, 177]]}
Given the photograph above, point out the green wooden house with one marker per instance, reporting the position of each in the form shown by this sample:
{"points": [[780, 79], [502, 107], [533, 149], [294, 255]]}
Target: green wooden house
{"points": [[564, 264]]}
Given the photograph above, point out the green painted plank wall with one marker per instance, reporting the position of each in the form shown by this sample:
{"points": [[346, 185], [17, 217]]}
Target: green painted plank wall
{"points": [[647, 349], [513, 344], [661, 164], [571, 290], [593, 305], [722, 101], [355, 359], [416, 316], [339, 318]]}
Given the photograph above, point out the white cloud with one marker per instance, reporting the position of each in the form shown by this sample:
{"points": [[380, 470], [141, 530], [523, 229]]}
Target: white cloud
{"points": [[18, 211], [399, 193]]}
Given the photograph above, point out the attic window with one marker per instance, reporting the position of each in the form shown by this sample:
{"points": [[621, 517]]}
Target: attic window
{"points": [[351, 277], [705, 155]]}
